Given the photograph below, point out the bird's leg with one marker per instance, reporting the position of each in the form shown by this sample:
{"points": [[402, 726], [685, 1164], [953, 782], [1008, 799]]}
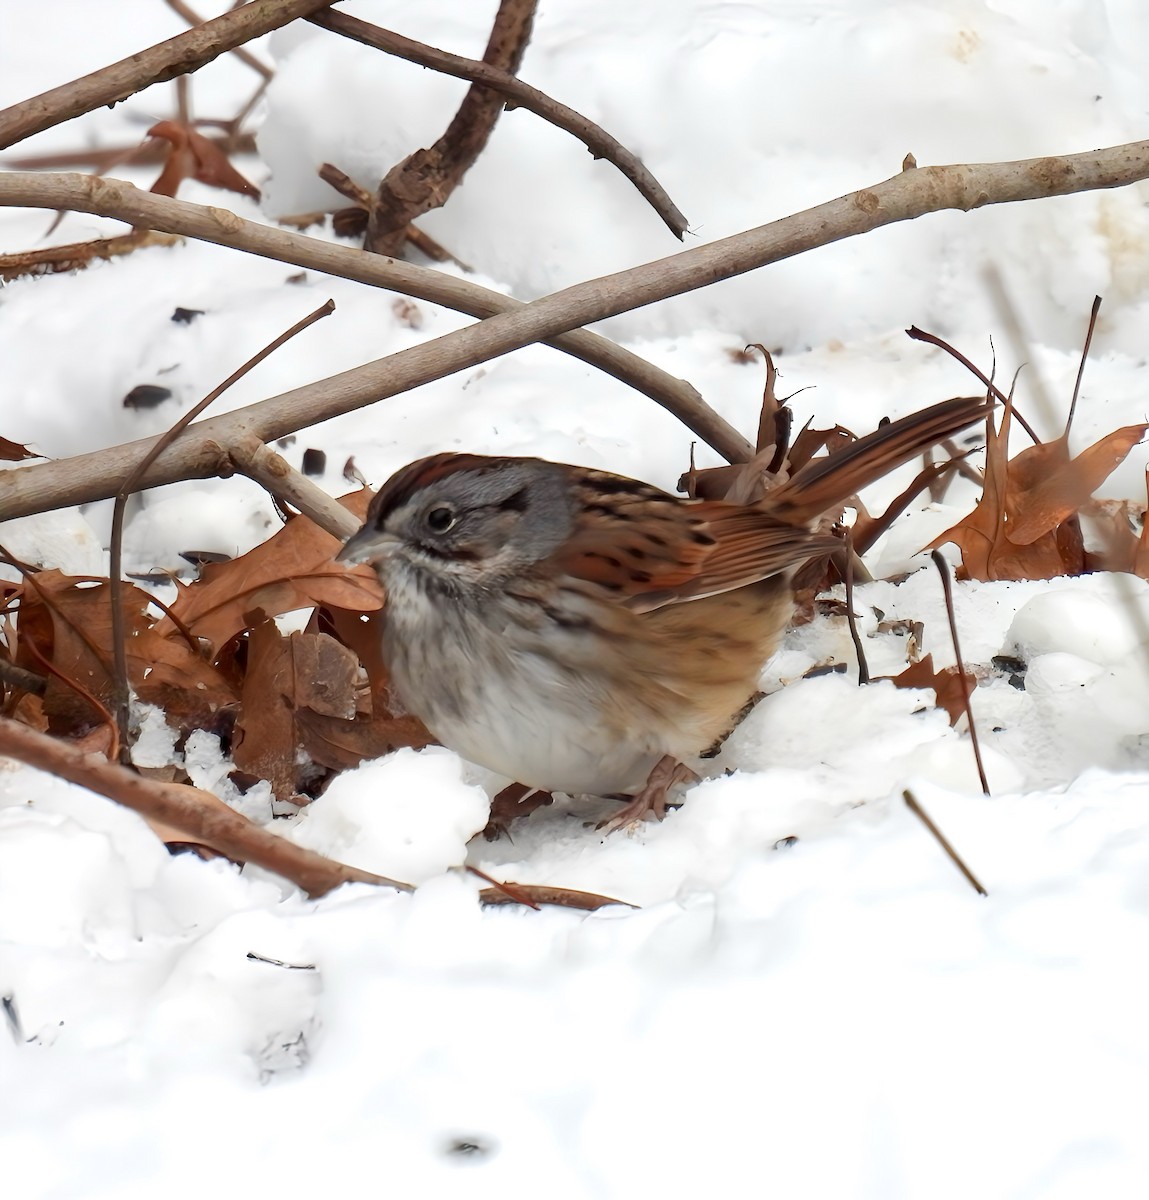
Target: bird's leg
{"points": [[667, 773]]}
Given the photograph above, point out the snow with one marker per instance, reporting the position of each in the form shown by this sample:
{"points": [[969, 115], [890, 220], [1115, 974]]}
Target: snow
{"points": [[810, 999]]}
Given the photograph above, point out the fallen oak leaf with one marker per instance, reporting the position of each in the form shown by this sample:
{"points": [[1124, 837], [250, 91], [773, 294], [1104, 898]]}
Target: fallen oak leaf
{"points": [[166, 672], [13, 452], [68, 620], [1051, 486], [63, 629], [946, 684], [342, 745], [299, 695], [192, 156], [1025, 526], [264, 742], [293, 569], [982, 535]]}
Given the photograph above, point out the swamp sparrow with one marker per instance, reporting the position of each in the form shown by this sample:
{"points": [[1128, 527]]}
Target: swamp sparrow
{"points": [[582, 632]]}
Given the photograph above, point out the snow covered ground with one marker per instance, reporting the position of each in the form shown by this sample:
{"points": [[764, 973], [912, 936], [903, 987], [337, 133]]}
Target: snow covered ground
{"points": [[810, 1001]]}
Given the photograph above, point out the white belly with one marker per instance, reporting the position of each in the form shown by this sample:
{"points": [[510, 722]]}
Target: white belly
{"points": [[492, 695]]}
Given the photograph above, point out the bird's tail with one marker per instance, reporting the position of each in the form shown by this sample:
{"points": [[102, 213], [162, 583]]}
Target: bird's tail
{"points": [[825, 484]]}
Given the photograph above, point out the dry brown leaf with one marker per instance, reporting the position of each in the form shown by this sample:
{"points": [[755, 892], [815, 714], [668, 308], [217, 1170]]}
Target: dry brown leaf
{"points": [[192, 156], [1025, 525], [68, 621], [299, 694], [14, 452], [946, 685], [1124, 550], [29, 710], [342, 745], [165, 671], [292, 570], [1051, 487], [264, 743]]}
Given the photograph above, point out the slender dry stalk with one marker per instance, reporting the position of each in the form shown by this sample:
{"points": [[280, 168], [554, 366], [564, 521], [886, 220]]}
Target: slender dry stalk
{"points": [[954, 857], [131, 484], [963, 679]]}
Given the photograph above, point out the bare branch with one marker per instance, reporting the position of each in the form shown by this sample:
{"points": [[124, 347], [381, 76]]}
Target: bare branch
{"points": [[201, 452], [426, 178], [180, 55], [114, 198], [175, 804], [245, 56], [954, 857], [271, 471], [597, 140]]}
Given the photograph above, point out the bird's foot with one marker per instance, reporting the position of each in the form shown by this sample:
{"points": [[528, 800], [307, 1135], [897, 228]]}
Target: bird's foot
{"points": [[654, 799]]}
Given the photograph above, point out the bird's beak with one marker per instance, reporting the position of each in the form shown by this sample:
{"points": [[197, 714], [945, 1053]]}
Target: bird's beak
{"points": [[368, 546]]}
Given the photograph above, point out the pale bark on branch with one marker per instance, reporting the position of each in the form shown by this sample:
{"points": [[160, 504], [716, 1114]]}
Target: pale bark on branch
{"points": [[426, 178], [177, 56], [521, 95], [177, 805], [202, 450], [114, 198]]}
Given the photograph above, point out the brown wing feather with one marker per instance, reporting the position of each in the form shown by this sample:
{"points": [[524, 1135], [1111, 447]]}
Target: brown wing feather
{"points": [[825, 484], [648, 548]]}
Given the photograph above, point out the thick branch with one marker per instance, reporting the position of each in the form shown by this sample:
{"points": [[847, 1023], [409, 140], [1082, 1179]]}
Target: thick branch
{"points": [[245, 56], [180, 55], [260, 462], [174, 804], [597, 140], [425, 179], [114, 198], [914, 192]]}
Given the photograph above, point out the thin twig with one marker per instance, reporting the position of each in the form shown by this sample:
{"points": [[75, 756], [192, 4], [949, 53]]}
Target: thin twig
{"points": [[76, 256], [122, 694], [920, 335], [1015, 331], [172, 804], [947, 588], [270, 470], [25, 681], [851, 616], [904, 197], [347, 187], [181, 55], [1084, 358], [508, 890], [921, 814], [597, 140], [426, 178]]}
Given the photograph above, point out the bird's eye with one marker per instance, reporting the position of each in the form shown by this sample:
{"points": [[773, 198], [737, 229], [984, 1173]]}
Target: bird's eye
{"points": [[440, 519]]}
